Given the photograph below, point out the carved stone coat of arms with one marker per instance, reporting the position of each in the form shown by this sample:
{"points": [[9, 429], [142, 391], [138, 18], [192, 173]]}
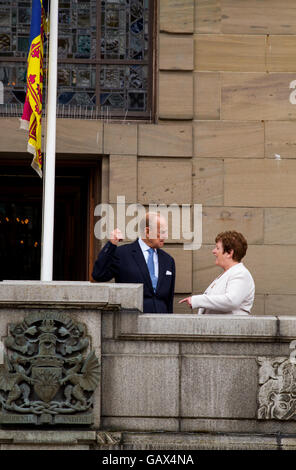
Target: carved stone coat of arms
{"points": [[47, 376], [277, 388]]}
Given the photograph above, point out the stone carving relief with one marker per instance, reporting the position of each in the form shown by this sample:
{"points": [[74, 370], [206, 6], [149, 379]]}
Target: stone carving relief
{"points": [[47, 376], [107, 439], [277, 388]]}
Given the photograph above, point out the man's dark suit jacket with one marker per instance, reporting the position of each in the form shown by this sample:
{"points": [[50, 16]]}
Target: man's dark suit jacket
{"points": [[126, 263]]}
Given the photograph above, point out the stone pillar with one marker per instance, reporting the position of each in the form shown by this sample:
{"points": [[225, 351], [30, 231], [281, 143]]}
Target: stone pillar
{"points": [[50, 371]]}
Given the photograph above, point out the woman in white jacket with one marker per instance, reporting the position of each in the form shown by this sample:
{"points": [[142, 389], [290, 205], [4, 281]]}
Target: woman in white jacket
{"points": [[233, 291]]}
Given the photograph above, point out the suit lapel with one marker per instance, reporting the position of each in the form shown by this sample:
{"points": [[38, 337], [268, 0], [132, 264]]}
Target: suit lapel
{"points": [[141, 262], [161, 268]]}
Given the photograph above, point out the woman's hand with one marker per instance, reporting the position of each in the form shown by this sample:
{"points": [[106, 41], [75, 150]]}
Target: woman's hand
{"points": [[187, 300]]}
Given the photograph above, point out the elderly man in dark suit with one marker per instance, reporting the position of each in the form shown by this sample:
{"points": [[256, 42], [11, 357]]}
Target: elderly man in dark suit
{"points": [[142, 261]]}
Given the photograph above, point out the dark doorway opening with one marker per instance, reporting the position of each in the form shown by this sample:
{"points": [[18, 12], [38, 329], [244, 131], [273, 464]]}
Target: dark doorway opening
{"points": [[21, 221]]}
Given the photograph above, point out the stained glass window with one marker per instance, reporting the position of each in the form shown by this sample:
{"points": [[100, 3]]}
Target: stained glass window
{"points": [[105, 57]]}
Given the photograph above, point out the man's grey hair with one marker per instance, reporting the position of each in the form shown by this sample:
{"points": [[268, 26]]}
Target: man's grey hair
{"points": [[150, 220]]}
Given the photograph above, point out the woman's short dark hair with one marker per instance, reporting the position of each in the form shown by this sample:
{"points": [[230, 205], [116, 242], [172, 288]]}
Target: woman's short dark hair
{"points": [[232, 240]]}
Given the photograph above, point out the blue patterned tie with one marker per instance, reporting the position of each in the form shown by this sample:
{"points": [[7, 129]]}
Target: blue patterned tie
{"points": [[150, 264]]}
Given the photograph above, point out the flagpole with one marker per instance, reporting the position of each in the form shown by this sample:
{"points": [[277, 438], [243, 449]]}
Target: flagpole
{"points": [[49, 164]]}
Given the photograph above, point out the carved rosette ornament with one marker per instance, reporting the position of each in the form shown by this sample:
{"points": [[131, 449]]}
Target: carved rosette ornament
{"points": [[48, 377], [277, 388]]}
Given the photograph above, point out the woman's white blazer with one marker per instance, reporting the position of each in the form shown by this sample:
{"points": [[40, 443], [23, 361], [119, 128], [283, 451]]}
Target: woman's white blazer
{"points": [[232, 292]]}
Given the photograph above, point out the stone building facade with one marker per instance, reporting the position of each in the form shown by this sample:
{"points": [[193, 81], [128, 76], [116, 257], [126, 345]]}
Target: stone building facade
{"points": [[223, 136]]}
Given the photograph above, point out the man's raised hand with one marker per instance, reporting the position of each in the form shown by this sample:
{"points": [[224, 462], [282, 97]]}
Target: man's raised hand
{"points": [[116, 236]]}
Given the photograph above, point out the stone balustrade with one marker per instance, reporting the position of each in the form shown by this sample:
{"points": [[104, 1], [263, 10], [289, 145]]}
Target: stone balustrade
{"points": [[179, 381]]}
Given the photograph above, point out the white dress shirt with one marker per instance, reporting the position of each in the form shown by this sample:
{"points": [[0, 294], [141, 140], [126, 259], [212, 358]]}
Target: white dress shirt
{"points": [[232, 292], [144, 247]]}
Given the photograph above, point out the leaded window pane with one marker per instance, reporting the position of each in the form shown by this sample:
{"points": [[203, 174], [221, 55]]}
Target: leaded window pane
{"points": [[103, 50], [76, 85], [124, 87], [124, 29], [77, 29], [15, 19], [13, 77]]}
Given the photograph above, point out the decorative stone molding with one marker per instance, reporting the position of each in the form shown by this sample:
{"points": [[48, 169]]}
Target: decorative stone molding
{"points": [[47, 376], [197, 327], [277, 388], [70, 294], [109, 438]]}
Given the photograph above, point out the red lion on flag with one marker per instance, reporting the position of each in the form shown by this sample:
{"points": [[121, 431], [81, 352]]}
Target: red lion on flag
{"points": [[32, 112]]}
